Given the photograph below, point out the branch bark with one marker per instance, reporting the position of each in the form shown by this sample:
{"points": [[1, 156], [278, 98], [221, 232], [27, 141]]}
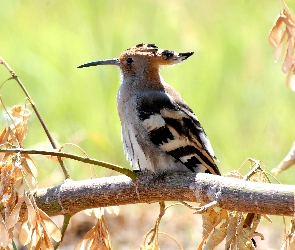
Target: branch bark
{"points": [[73, 196]]}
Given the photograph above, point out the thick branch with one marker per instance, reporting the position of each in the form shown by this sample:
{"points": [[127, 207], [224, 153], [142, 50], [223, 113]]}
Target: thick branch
{"points": [[233, 194]]}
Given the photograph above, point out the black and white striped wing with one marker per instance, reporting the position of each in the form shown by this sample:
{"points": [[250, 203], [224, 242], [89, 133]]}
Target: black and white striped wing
{"points": [[175, 129]]}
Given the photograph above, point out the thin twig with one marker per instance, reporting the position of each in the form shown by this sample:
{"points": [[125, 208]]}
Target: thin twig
{"points": [[202, 209], [66, 223], [253, 170], [117, 168], [53, 144]]}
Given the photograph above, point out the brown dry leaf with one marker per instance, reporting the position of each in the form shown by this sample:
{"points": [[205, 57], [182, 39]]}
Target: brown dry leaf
{"points": [[285, 27], [36, 236], [37, 228], [31, 229], [25, 232], [113, 210], [43, 243], [279, 49], [289, 241], [239, 234], [98, 212], [96, 238], [46, 242], [215, 238], [19, 111], [19, 186], [19, 130], [276, 34], [53, 158], [4, 235], [241, 226], [291, 78], [3, 136], [234, 174], [3, 140], [32, 215], [289, 55], [231, 229], [16, 110], [14, 215], [8, 195], [287, 162], [214, 227], [30, 169], [50, 227], [86, 241], [30, 166], [12, 139], [152, 246], [38, 245]]}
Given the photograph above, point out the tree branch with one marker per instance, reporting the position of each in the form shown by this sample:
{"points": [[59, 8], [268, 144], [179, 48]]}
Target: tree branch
{"points": [[83, 159], [233, 194]]}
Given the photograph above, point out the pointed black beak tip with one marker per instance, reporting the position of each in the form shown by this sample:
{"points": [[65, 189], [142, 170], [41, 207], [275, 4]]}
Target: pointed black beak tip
{"points": [[86, 65], [187, 54]]}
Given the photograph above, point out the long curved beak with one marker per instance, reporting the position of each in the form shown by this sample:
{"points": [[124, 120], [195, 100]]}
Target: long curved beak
{"points": [[114, 61]]}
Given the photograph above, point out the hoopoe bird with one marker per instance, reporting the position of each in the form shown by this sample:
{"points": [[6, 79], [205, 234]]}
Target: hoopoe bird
{"points": [[160, 132]]}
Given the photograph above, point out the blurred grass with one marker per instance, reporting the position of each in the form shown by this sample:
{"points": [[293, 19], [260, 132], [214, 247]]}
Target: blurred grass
{"points": [[231, 82]]}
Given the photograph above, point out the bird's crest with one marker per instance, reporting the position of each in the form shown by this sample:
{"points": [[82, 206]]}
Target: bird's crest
{"points": [[152, 52]]}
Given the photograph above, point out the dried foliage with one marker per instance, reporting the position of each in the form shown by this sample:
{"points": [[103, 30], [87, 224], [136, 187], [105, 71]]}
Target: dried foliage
{"points": [[287, 162], [289, 242], [282, 31], [98, 237], [18, 174], [236, 228]]}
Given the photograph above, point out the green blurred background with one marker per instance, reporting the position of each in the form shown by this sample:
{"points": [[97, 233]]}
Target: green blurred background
{"points": [[231, 82]]}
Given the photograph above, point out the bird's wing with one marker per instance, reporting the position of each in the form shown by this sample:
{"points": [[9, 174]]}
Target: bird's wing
{"points": [[175, 129]]}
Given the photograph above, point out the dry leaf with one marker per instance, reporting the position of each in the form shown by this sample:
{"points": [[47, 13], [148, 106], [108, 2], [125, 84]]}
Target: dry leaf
{"points": [[214, 227], [275, 35], [289, 241], [30, 166], [236, 227], [287, 162], [32, 215], [14, 215], [53, 158], [4, 235], [113, 210], [215, 238], [19, 111], [285, 27], [25, 233], [87, 240], [234, 174], [49, 225], [96, 238], [46, 242], [20, 131]]}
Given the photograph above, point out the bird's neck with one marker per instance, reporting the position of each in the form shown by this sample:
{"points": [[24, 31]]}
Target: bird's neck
{"points": [[144, 81]]}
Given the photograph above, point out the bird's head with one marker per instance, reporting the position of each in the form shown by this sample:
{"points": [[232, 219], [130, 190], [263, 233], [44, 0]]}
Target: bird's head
{"points": [[142, 58]]}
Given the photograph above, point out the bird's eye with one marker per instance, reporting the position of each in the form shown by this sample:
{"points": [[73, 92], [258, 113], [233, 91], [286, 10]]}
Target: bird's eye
{"points": [[167, 53], [129, 60]]}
